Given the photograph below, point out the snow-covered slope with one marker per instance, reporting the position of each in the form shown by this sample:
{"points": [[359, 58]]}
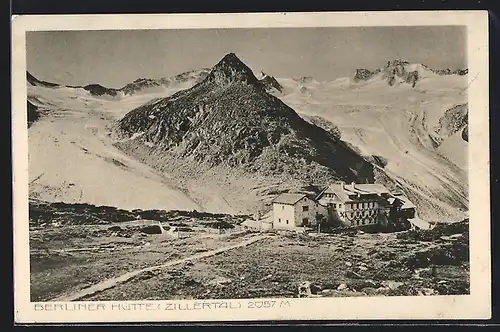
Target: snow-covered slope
{"points": [[394, 122], [72, 159]]}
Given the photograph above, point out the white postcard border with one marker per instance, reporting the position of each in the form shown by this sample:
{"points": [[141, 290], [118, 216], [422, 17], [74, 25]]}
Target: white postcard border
{"points": [[477, 305]]}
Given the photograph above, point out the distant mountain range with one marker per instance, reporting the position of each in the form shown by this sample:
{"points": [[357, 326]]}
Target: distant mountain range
{"points": [[142, 84], [136, 86], [402, 71]]}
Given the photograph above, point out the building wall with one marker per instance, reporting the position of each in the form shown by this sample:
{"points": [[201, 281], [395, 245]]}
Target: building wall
{"points": [[294, 214], [305, 209], [354, 213], [283, 216], [363, 212]]}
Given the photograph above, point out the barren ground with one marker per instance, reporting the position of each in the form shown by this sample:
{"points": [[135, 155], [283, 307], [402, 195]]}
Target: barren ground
{"points": [[66, 260]]}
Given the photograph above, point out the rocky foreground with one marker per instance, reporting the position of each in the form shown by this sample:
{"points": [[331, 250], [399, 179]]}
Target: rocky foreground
{"points": [[73, 247]]}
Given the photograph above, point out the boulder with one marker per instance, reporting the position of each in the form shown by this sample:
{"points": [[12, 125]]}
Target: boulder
{"points": [[391, 284], [342, 287], [151, 229]]}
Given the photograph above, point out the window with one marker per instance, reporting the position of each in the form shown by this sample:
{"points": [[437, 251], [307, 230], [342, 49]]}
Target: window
{"points": [[305, 208], [282, 207], [340, 205], [279, 219], [305, 220], [334, 205], [287, 221]]}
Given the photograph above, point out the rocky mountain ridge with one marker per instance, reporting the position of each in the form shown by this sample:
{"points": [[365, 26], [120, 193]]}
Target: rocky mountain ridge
{"points": [[402, 71], [136, 86]]}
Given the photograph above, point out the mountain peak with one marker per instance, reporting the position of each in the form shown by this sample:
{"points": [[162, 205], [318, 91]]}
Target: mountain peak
{"points": [[231, 69], [396, 62]]}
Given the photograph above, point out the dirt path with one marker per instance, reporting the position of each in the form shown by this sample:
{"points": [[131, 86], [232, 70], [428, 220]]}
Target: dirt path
{"points": [[110, 283]]}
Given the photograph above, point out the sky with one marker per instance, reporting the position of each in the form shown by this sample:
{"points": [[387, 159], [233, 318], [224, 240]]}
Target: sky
{"points": [[115, 58]]}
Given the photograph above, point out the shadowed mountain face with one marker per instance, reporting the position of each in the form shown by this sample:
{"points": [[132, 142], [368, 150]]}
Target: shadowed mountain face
{"points": [[99, 90], [33, 113], [271, 84], [229, 119], [465, 133], [36, 82]]}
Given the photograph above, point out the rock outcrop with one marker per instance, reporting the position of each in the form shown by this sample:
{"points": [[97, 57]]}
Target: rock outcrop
{"points": [[270, 83], [364, 74], [454, 120], [33, 113], [99, 90], [465, 133]]}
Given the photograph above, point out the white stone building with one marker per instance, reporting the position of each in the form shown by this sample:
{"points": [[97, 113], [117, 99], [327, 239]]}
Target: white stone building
{"points": [[293, 210]]}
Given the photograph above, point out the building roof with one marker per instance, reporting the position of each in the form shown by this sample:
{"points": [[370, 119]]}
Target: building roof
{"points": [[420, 223], [287, 198], [406, 203], [344, 190]]}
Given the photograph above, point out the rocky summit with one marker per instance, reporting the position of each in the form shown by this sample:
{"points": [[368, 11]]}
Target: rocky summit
{"points": [[230, 119]]}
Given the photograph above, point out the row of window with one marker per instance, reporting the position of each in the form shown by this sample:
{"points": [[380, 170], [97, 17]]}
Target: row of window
{"points": [[363, 205], [355, 206], [304, 220], [359, 214], [363, 222], [305, 208]]}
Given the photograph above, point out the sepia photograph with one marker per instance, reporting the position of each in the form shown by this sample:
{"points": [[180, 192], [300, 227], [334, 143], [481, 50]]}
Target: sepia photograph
{"points": [[258, 163]]}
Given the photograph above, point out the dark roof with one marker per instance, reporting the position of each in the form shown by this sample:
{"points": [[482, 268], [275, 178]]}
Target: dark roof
{"points": [[287, 198]]}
